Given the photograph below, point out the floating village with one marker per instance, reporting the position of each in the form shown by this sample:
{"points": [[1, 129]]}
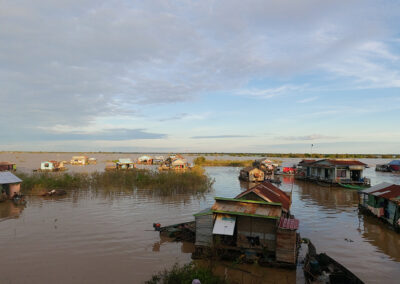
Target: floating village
{"points": [[256, 226]]}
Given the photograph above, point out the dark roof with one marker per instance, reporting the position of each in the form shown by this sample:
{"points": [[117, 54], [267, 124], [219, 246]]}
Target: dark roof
{"points": [[270, 193], [289, 224], [6, 164], [385, 190], [258, 209], [336, 162], [7, 178], [306, 162]]}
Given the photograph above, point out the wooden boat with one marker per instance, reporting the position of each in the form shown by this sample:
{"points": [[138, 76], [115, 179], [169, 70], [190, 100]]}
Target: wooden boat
{"points": [[179, 232], [321, 268], [353, 187]]}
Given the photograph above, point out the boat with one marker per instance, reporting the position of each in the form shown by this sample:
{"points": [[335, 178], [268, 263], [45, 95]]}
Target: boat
{"points": [[321, 268], [353, 187]]}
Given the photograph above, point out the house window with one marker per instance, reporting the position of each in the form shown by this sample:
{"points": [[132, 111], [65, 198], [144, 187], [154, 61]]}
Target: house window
{"points": [[341, 173]]}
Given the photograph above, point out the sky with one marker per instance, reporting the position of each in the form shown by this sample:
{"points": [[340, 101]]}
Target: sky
{"points": [[200, 76]]}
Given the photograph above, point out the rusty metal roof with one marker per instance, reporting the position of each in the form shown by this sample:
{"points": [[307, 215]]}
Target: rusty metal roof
{"points": [[247, 208], [7, 178], [337, 162], [289, 224], [270, 193], [385, 190]]}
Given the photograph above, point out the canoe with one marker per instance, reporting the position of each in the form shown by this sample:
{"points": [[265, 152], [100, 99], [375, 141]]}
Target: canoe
{"points": [[321, 268], [353, 187]]}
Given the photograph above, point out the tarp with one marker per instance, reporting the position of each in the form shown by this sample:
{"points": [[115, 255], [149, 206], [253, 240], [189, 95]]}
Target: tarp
{"points": [[224, 225], [395, 163]]}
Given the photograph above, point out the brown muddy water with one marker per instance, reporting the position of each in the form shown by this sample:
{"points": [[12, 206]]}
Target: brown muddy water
{"points": [[107, 237]]}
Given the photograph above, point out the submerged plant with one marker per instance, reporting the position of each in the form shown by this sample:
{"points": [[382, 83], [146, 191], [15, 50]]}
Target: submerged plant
{"points": [[195, 181], [185, 274]]}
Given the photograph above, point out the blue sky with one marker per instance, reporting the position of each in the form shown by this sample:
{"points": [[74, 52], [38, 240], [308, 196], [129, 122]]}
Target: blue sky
{"points": [[207, 76]]}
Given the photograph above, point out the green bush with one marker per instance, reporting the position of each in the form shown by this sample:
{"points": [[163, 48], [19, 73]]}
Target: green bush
{"points": [[185, 274]]}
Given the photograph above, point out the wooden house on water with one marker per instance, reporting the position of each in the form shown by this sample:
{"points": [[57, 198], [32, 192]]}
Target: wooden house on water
{"points": [[6, 166], [250, 224], [145, 160], [334, 171], [79, 160], [92, 161], [52, 166], [179, 164], [9, 185], [382, 201], [125, 164], [251, 174]]}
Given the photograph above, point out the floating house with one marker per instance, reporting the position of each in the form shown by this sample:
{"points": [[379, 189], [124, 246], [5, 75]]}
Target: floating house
{"points": [[9, 185], [79, 160], [285, 169], [265, 165], [145, 160], [267, 192], [52, 166], [125, 164], [6, 166], [383, 201], [251, 174], [395, 165], [301, 170], [179, 164], [158, 160], [92, 161], [334, 171], [251, 225]]}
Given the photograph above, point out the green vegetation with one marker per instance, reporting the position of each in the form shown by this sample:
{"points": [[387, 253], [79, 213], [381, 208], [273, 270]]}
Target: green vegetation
{"points": [[166, 183], [185, 274], [303, 155], [202, 161]]}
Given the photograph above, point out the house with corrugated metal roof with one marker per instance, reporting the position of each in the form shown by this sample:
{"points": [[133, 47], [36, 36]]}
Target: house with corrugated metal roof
{"points": [[125, 164], [145, 160], [79, 160], [345, 171], [7, 166], [251, 174], [9, 185], [256, 223], [382, 201]]}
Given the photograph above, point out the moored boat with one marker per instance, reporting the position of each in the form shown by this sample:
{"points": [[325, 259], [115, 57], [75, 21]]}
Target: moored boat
{"points": [[321, 268]]}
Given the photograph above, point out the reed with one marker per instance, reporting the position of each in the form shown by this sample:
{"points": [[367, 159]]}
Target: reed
{"points": [[202, 161], [195, 181], [185, 274]]}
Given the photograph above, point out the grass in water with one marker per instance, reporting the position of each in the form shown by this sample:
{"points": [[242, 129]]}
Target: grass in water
{"points": [[202, 161], [185, 274], [195, 181]]}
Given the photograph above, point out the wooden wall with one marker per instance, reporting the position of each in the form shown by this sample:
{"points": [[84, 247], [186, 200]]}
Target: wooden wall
{"points": [[263, 228], [286, 246]]}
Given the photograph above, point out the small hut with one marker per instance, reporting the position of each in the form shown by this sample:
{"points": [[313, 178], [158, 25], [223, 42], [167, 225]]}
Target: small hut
{"points": [[9, 185], [92, 161], [252, 174], [52, 166], [383, 201], [79, 160], [6, 166], [125, 164], [145, 160], [179, 164]]}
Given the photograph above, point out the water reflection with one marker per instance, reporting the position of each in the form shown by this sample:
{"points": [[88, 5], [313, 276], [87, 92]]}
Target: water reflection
{"points": [[91, 230], [9, 210]]}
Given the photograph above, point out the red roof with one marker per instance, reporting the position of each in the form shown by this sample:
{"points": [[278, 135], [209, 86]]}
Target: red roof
{"points": [[346, 162], [270, 193], [390, 192], [290, 224], [334, 162]]}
